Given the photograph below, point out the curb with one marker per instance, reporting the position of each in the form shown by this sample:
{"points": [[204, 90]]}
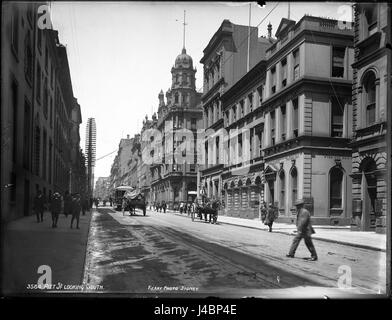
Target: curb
{"points": [[361, 246], [84, 276]]}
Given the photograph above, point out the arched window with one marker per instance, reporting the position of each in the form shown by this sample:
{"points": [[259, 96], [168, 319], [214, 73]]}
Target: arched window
{"points": [[370, 12], [282, 188], [294, 185], [335, 188], [369, 85]]}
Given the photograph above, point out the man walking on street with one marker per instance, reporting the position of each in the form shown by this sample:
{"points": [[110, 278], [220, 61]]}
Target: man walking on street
{"points": [[76, 207], [304, 230], [164, 207], [39, 206], [272, 214], [55, 208], [263, 211]]}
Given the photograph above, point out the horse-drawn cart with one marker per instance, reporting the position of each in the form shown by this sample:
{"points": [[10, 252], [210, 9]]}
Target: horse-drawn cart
{"points": [[135, 200], [208, 208]]}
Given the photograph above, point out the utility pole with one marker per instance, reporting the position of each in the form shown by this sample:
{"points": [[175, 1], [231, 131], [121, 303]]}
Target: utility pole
{"points": [[183, 36]]}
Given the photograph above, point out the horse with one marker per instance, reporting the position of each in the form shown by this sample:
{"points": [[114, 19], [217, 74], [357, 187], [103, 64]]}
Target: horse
{"points": [[210, 208]]}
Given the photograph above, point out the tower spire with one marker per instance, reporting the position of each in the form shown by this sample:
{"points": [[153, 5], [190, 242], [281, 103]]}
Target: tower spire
{"points": [[183, 37]]}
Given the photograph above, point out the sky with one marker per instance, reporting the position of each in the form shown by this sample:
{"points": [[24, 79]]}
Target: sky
{"points": [[121, 53]]}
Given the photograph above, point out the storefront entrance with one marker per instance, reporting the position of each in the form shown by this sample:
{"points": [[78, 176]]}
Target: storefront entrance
{"points": [[369, 195]]}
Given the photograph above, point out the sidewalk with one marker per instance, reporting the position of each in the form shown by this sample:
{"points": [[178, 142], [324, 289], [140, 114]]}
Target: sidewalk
{"points": [[335, 234], [28, 245]]}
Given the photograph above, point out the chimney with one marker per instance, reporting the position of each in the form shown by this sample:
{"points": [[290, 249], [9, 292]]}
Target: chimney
{"points": [[269, 30]]}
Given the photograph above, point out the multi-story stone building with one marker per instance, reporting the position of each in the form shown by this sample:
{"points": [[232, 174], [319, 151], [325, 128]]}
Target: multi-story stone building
{"points": [[243, 144], [144, 167], [371, 103], [37, 118], [226, 60], [119, 173], [101, 189], [308, 119], [133, 172], [173, 171]]}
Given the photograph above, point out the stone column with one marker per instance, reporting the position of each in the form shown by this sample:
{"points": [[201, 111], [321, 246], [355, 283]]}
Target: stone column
{"points": [[359, 112], [377, 83]]}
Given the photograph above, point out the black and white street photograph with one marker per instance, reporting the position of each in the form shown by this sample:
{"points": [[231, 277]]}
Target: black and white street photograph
{"points": [[189, 150]]}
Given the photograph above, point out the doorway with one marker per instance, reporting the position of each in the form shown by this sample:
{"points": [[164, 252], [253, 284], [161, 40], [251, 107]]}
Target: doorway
{"points": [[369, 195]]}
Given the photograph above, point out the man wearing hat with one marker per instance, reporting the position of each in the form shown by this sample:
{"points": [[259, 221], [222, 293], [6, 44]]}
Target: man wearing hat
{"points": [[56, 208], [304, 230]]}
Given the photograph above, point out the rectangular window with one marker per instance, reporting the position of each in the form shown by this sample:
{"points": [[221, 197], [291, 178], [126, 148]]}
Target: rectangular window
{"points": [[272, 114], [371, 114], [217, 149], [295, 117], [296, 64], [240, 145], [250, 99], [338, 54], [273, 80], [337, 111], [283, 72], [234, 113], [260, 138], [283, 122], [242, 108], [251, 141], [227, 118], [260, 93]]}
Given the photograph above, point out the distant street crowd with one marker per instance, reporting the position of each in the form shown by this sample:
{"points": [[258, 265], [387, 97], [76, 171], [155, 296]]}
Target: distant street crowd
{"points": [[69, 205]]}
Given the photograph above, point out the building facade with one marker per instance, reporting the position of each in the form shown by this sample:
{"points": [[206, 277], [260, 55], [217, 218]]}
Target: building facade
{"points": [[242, 147], [101, 189], [174, 157], [225, 61], [371, 103], [308, 119], [119, 172], [37, 111], [144, 171]]}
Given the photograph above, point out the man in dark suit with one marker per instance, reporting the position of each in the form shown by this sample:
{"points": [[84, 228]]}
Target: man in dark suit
{"points": [[56, 208], [304, 230], [271, 216], [39, 206]]}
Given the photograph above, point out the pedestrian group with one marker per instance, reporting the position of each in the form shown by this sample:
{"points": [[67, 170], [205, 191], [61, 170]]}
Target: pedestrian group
{"points": [[70, 204]]}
